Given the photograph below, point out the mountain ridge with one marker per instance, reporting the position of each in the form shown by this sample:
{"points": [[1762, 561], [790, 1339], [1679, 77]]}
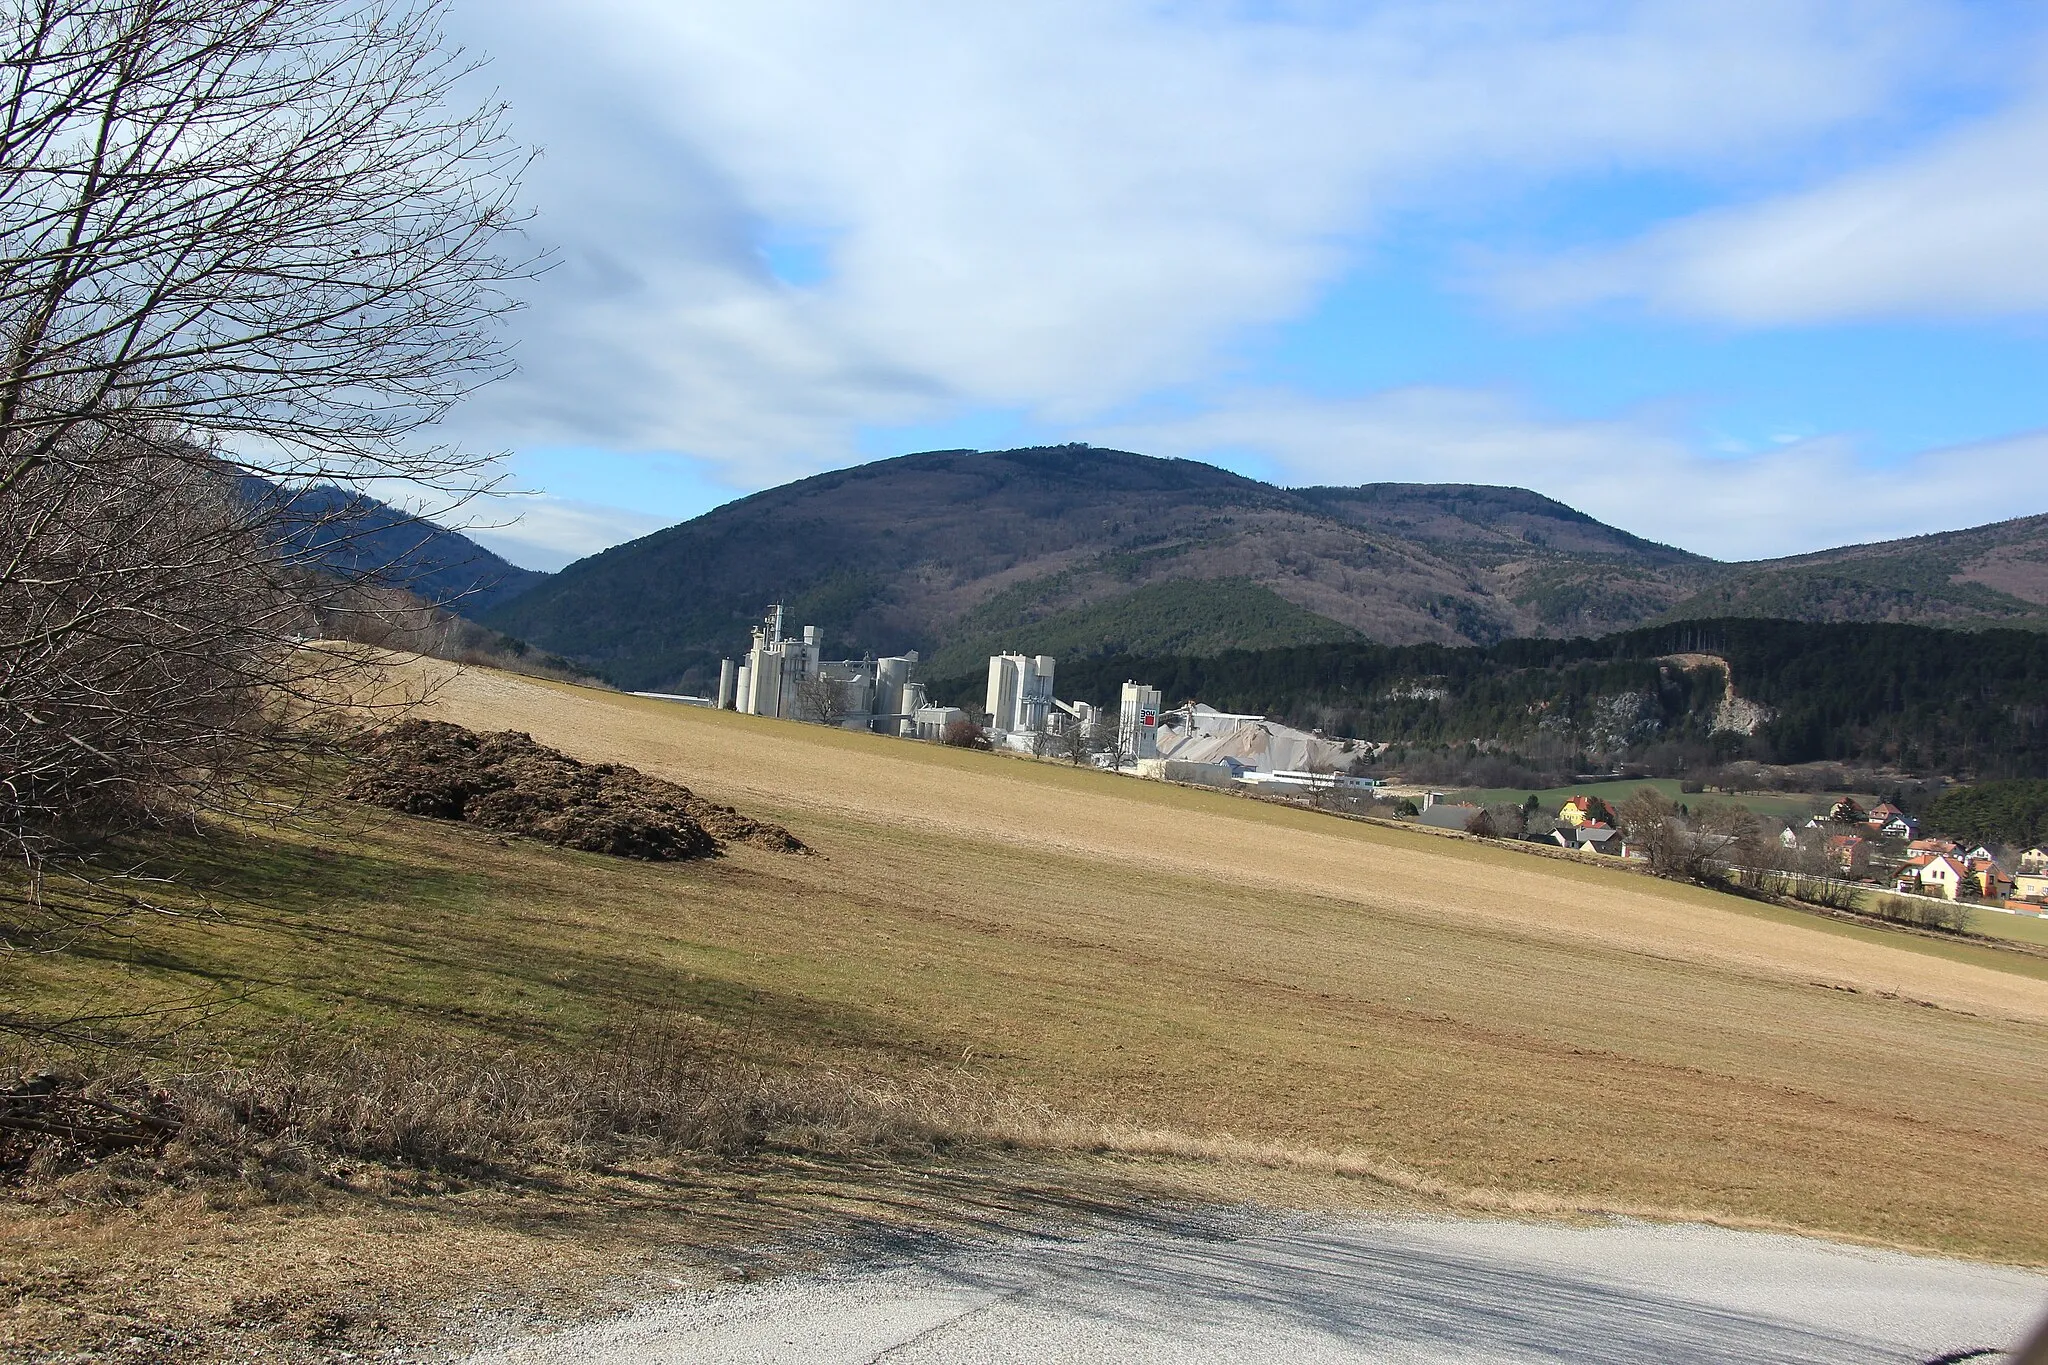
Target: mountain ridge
{"points": [[960, 551]]}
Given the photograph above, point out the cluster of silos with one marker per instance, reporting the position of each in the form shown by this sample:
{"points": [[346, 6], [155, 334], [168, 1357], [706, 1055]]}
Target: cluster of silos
{"points": [[1019, 693], [770, 681]]}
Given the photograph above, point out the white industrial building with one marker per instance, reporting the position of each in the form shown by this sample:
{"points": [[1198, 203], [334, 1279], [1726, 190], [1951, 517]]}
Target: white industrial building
{"points": [[1138, 722], [1019, 695], [786, 677], [932, 722]]}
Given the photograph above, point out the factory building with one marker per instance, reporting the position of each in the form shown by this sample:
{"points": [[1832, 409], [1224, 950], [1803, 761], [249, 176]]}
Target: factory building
{"points": [[786, 677], [1019, 694], [1138, 722]]}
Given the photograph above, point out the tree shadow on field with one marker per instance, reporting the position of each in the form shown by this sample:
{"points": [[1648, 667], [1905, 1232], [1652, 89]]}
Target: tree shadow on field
{"points": [[385, 935]]}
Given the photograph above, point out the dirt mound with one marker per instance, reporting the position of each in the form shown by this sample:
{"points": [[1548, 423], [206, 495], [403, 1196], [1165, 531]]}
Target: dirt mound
{"points": [[504, 780]]}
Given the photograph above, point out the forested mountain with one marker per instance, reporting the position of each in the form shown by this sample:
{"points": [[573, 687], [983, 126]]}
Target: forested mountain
{"points": [[359, 537], [1081, 552], [1070, 548], [1995, 574], [1911, 697]]}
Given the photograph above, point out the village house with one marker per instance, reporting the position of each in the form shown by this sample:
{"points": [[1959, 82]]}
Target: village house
{"points": [[1850, 854], [2031, 887], [1940, 876], [1887, 821], [2035, 862], [1577, 811], [1593, 836], [1989, 880]]}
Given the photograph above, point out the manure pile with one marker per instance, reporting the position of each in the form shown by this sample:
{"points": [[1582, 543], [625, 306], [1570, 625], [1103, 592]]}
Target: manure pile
{"points": [[503, 780]]}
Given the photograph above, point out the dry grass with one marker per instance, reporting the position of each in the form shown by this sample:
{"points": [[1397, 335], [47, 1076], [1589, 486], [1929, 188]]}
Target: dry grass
{"points": [[1239, 998], [1163, 958]]}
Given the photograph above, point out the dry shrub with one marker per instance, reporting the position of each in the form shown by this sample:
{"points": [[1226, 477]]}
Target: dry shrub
{"points": [[303, 1114], [1921, 912]]}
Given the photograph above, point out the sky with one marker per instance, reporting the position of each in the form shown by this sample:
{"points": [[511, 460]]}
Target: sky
{"points": [[1750, 278]]}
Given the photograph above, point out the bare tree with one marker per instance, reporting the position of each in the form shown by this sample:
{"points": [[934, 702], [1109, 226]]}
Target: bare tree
{"points": [[238, 238], [1510, 820], [246, 223], [1322, 780], [822, 700], [1649, 821], [1111, 742], [1077, 742]]}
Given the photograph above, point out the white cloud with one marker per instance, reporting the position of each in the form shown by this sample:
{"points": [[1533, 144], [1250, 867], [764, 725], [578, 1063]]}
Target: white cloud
{"points": [[1635, 473], [538, 531], [1057, 207], [1956, 228]]}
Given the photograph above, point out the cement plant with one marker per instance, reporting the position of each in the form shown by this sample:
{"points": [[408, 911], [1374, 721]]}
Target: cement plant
{"points": [[787, 677]]}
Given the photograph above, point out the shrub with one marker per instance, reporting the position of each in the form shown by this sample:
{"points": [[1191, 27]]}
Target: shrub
{"points": [[1921, 912], [964, 734]]}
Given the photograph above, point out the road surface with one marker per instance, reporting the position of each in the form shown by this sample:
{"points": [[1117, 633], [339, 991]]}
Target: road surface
{"points": [[1297, 1289]]}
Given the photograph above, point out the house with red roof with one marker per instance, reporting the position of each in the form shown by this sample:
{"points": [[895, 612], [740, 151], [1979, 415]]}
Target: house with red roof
{"points": [[1850, 853], [1940, 876]]}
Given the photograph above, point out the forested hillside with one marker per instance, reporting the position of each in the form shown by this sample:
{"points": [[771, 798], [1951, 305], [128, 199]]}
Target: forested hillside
{"points": [[2014, 813], [1917, 698], [1987, 575], [1081, 552], [1069, 549], [362, 539]]}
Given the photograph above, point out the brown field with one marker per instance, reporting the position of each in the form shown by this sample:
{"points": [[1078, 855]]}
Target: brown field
{"points": [[1238, 998], [1161, 958]]}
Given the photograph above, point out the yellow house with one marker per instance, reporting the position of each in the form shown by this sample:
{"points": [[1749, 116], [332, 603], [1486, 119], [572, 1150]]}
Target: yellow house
{"points": [[2030, 886], [1576, 811]]}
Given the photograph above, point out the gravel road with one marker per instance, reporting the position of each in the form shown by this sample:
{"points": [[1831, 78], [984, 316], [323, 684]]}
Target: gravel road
{"points": [[1297, 1289]]}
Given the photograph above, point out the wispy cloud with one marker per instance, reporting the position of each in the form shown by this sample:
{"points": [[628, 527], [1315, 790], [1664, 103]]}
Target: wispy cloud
{"points": [[1957, 228], [1637, 472], [538, 531]]}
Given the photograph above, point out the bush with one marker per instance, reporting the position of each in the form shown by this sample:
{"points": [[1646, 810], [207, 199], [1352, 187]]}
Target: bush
{"points": [[1921, 912], [964, 734]]}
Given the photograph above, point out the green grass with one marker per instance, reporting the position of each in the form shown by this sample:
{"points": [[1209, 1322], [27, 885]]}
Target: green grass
{"points": [[2019, 928], [1993, 924], [1783, 807]]}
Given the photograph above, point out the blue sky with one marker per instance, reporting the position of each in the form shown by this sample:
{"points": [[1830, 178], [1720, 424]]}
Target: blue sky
{"points": [[1750, 278]]}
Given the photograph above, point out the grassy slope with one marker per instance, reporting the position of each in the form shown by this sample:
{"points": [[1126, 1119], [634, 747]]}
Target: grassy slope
{"points": [[1159, 957]]}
